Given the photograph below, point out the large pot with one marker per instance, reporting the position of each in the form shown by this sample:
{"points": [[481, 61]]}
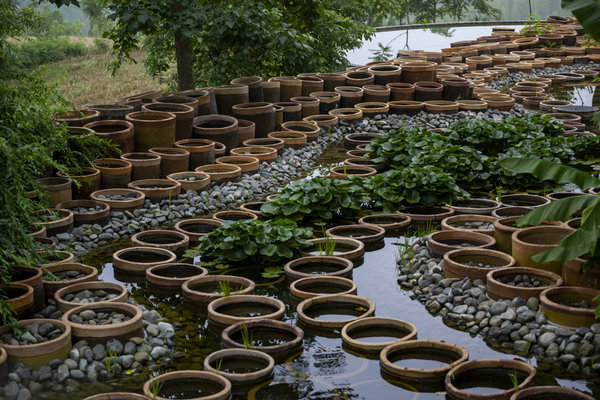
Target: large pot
{"points": [[418, 71], [88, 179], [202, 151], [143, 165], [184, 116], [262, 114], [552, 303], [114, 173], [171, 160], [528, 242], [230, 95], [218, 128], [459, 263], [152, 129], [172, 383], [255, 87], [120, 133], [58, 189], [498, 280], [289, 86], [350, 96]]}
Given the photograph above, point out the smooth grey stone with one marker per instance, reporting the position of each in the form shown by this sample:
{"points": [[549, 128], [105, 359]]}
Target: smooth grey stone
{"points": [[63, 373], [546, 339]]}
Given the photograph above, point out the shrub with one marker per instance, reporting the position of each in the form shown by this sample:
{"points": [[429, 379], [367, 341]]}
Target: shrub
{"points": [[35, 52]]}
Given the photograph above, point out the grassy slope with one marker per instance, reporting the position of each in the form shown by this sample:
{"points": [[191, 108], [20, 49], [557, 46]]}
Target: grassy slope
{"points": [[86, 80]]}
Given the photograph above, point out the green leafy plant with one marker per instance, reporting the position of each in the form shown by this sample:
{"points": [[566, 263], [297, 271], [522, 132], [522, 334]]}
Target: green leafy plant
{"points": [[381, 53], [587, 13], [111, 361], [426, 186], [224, 288], [514, 378], [246, 337], [317, 198], [255, 242], [536, 26], [156, 388], [272, 272], [326, 247]]}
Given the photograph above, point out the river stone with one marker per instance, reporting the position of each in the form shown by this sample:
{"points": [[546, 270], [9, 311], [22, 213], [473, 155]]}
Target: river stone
{"points": [[141, 356], [35, 387], [63, 373], [77, 374], [498, 308], [71, 364], [152, 330], [99, 352], [129, 348], [533, 303], [126, 361], [546, 339], [114, 346], [24, 394], [520, 346], [552, 350], [460, 309], [158, 352], [509, 314], [11, 390]]}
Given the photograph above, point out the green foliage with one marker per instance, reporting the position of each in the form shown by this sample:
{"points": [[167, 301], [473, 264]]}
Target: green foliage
{"points": [[588, 14], [433, 10], [317, 198], [381, 53], [427, 186], [34, 52], [536, 26], [224, 288], [255, 242]]}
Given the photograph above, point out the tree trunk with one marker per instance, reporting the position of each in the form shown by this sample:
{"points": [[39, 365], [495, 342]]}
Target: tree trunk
{"points": [[185, 72]]}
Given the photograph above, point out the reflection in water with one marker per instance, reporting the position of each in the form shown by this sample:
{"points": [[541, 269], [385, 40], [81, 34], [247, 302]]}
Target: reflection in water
{"points": [[585, 94]]}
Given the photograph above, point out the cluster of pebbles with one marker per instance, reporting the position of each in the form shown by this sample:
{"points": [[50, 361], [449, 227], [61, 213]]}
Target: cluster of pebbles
{"points": [[89, 296], [67, 275], [91, 317], [85, 210], [583, 304], [31, 334], [479, 225], [479, 264], [514, 325], [187, 179], [87, 364], [521, 280], [121, 197]]}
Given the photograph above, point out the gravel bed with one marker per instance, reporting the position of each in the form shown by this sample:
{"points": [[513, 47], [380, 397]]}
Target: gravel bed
{"points": [[583, 304], [90, 317], [474, 225], [128, 196], [85, 210], [479, 265], [31, 334], [66, 275], [89, 296], [522, 280]]}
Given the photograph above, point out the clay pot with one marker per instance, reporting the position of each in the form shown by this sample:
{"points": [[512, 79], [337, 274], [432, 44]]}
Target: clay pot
{"points": [[311, 84], [184, 116], [234, 215], [157, 189], [524, 200], [100, 217], [495, 374], [262, 114], [171, 160], [457, 223], [136, 260], [475, 206], [422, 215], [418, 71], [512, 211], [51, 286], [265, 154], [40, 354], [349, 95], [172, 382], [222, 312], [405, 107], [202, 290], [152, 129], [218, 128], [143, 165], [245, 130], [308, 104], [247, 164], [385, 73], [58, 189], [359, 78], [77, 117], [120, 133], [253, 207], [376, 93], [173, 275], [401, 91], [331, 301], [289, 86], [311, 130], [456, 88], [109, 287], [346, 171], [348, 248], [313, 286], [222, 360], [327, 101], [347, 115], [111, 111], [479, 62], [88, 179], [441, 242], [230, 95], [455, 263], [114, 173], [305, 267], [255, 87], [202, 151], [324, 121], [173, 241], [550, 393], [221, 172], [497, 290], [441, 107], [64, 223], [332, 80], [196, 228], [31, 277], [353, 332], [134, 200], [551, 304], [365, 233], [20, 298], [370, 109], [506, 226], [293, 139], [271, 92], [425, 91], [117, 396], [201, 180], [528, 242], [205, 100], [575, 273]]}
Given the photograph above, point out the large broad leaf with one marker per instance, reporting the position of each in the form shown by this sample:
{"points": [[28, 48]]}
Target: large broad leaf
{"points": [[588, 14], [560, 210], [550, 171], [575, 245]]}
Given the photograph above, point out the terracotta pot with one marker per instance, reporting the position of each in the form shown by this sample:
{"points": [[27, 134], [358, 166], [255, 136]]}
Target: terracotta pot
{"points": [[201, 180], [479, 62], [346, 171], [497, 290], [109, 287], [575, 273], [171, 160], [405, 107], [512, 211], [55, 257], [524, 200], [247, 164], [353, 332], [100, 334], [370, 109], [457, 223], [205, 289], [425, 91], [547, 106], [422, 215], [152, 129], [551, 304], [359, 78], [347, 115], [170, 240], [365, 233], [111, 111], [324, 121], [218, 128], [184, 115], [293, 139], [117, 396], [255, 87], [58, 189], [494, 373], [136, 260], [349, 95], [348, 248], [224, 311], [385, 73], [441, 107], [401, 91], [114, 173], [313, 286], [40, 354], [245, 130], [88, 179], [456, 88], [202, 151], [266, 154], [230, 95], [196, 228], [475, 206], [327, 101], [100, 217], [291, 112], [262, 114], [221, 361], [311, 130], [390, 222], [289, 86], [157, 189], [311, 84], [31, 277], [441, 242], [51, 286], [376, 93], [455, 263], [418, 71], [134, 201], [233, 215], [120, 133], [20, 297], [77, 117], [550, 393], [146, 97], [253, 207], [528, 242], [64, 223], [173, 275], [309, 105], [221, 172], [331, 81], [450, 354], [271, 92], [204, 100], [143, 165], [345, 300], [308, 266], [172, 382]]}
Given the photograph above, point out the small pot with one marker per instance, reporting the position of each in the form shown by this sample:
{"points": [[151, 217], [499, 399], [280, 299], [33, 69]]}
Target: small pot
{"points": [[157, 189], [111, 111], [173, 241], [128, 260], [201, 180], [423, 215], [349, 95], [441, 242], [293, 139], [196, 228], [202, 290], [367, 307], [77, 117], [425, 91], [311, 130], [255, 87], [100, 217], [313, 286], [347, 115], [247, 164], [365, 233], [401, 91], [332, 80], [374, 326], [173, 275], [305, 267], [308, 104], [418, 71], [371, 109], [88, 179], [51, 286], [261, 113], [273, 143], [405, 107], [114, 173], [289, 86], [327, 101], [202, 151], [171, 160], [229, 310], [550, 393], [551, 304], [221, 172], [143, 165], [528, 242], [233, 215], [348, 248], [359, 78], [174, 381], [264, 154], [110, 287], [455, 263], [58, 189], [497, 290], [134, 201], [246, 130]]}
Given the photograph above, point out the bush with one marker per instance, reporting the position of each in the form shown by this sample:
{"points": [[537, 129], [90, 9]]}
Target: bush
{"points": [[35, 52]]}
